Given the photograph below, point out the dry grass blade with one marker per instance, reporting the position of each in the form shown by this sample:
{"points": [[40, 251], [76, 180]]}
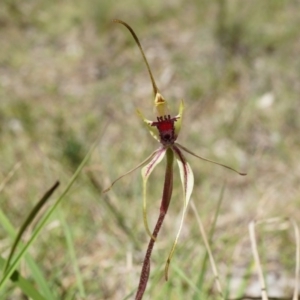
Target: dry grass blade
{"points": [[297, 267], [211, 258], [257, 260], [10, 175]]}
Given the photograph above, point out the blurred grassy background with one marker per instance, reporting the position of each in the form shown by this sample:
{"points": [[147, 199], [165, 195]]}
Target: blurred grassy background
{"points": [[67, 73]]}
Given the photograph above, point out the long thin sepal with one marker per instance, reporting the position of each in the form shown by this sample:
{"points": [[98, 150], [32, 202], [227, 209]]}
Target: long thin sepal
{"points": [[214, 162], [154, 86], [146, 172], [187, 180], [132, 170]]}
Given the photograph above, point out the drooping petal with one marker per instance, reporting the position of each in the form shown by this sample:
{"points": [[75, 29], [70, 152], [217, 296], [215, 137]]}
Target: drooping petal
{"points": [[179, 119], [186, 174], [146, 172], [187, 180], [214, 162], [150, 157], [153, 130]]}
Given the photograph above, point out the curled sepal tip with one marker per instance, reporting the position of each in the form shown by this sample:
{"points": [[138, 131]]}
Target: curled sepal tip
{"points": [[187, 180], [146, 172], [214, 162], [132, 170]]}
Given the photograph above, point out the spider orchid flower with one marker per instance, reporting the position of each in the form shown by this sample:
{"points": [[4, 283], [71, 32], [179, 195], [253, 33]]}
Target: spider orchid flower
{"points": [[165, 129]]}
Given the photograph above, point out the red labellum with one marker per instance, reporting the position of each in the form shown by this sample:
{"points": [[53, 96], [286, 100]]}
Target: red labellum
{"points": [[166, 128]]}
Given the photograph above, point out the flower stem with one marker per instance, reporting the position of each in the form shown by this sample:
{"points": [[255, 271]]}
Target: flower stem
{"points": [[166, 198]]}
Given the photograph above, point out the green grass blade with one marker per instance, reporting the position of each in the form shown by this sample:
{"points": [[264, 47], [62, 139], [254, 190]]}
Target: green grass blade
{"points": [[28, 221], [35, 270], [72, 253], [40, 278], [244, 280], [181, 274], [47, 216], [27, 288], [7, 225]]}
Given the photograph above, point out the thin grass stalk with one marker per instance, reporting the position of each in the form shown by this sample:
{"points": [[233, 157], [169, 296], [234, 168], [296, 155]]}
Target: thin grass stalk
{"points": [[28, 221], [198, 293], [241, 290], [9, 175], [166, 197], [200, 280], [72, 253], [37, 274], [297, 267], [113, 209], [257, 260], [211, 258], [297, 239], [26, 287]]}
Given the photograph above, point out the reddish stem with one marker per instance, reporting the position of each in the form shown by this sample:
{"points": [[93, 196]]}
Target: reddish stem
{"points": [[166, 198]]}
